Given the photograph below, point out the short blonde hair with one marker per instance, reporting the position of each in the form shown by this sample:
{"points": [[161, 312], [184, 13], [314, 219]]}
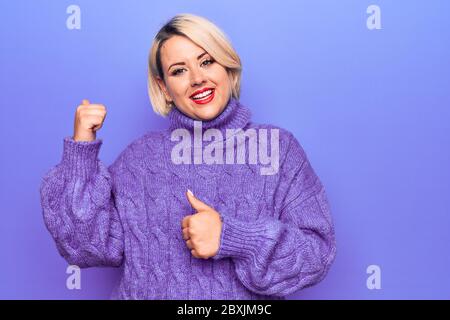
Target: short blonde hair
{"points": [[205, 34]]}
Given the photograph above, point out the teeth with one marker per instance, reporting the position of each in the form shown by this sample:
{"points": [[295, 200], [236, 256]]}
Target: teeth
{"points": [[202, 95]]}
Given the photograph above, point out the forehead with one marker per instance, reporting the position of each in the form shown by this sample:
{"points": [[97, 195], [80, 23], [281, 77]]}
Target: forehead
{"points": [[178, 49]]}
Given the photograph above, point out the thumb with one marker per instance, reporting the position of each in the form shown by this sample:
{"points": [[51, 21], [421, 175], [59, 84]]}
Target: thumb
{"points": [[196, 203], [85, 102]]}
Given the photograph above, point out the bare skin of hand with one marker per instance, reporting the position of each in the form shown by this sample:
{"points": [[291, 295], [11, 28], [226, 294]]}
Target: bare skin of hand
{"points": [[202, 230], [89, 119]]}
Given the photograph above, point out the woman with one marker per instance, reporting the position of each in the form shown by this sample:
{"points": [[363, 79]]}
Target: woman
{"points": [[184, 216]]}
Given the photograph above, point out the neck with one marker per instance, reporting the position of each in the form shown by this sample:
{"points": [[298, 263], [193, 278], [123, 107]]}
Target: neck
{"points": [[234, 116]]}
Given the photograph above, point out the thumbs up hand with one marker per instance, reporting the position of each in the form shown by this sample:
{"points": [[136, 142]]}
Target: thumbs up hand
{"points": [[89, 119], [202, 230]]}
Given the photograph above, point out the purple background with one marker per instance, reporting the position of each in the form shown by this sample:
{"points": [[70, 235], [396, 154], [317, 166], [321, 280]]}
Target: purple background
{"points": [[370, 107]]}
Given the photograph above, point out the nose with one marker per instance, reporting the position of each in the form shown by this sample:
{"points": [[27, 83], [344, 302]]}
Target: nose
{"points": [[197, 77]]}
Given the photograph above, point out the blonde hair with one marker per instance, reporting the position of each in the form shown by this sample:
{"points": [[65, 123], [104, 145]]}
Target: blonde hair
{"points": [[205, 34]]}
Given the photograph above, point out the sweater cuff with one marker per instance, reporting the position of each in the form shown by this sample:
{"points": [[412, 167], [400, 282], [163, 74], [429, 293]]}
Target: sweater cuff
{"points": [[243, 239], [80, 157]]}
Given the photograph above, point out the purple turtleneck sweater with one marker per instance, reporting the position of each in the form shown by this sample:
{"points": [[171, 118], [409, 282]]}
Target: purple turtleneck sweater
{"points": [[277, 233]]}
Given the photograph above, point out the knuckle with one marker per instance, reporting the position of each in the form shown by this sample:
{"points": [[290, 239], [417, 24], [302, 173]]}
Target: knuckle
{"points": [[80, 110]]}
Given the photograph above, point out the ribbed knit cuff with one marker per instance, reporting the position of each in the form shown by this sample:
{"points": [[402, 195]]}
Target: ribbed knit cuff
{"points": [[242, 239], [80, 157]]}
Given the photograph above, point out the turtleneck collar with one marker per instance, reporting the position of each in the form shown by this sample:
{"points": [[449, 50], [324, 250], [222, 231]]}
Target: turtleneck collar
{"points": [[234, 116]]}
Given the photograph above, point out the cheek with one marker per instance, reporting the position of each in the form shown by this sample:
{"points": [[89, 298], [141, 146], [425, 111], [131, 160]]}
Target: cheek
{"points": [[177, 86], [220, 76]]}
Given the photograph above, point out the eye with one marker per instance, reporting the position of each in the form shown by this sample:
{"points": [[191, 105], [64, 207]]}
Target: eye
{"points": [[176, 72], [207, 62]]}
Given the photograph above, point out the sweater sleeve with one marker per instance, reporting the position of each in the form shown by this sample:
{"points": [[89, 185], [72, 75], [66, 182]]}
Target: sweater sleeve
{"points": [[278, 256], [79, 206]]}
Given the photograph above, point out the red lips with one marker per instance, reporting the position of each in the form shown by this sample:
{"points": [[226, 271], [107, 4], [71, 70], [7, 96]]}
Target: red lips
{"points": [[203, 100]]}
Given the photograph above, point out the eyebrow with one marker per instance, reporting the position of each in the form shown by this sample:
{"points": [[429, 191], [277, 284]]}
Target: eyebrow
{"points": [[182, 63]]}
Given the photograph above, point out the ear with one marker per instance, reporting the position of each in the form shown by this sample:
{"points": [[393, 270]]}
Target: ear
{"points": [[162, 86]]}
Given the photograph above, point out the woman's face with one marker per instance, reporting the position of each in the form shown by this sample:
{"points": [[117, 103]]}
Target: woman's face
{"points": [[189, 69]]}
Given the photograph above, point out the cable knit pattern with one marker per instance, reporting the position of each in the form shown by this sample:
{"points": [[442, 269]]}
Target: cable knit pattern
{"points": [[277, 233]]}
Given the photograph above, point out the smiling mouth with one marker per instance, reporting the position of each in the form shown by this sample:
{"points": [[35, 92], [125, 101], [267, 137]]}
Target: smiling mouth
{"points": [[204, 97]]}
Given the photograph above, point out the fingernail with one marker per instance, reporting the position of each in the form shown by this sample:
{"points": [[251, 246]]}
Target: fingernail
{"points": [[190, 192]]}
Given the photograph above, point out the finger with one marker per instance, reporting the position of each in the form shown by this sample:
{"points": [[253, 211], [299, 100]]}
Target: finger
{"points": [[185, 222], [86, 102], [93, 114], [186, 233], [96, 107], [196, 203], [189, 244], [195, 254], [88, 111]]}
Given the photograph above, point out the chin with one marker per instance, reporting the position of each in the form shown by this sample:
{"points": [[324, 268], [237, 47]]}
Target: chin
{"points": [[207, 112]]}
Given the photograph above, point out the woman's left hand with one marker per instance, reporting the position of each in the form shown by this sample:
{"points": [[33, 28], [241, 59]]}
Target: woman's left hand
{"points": [[202, 230]]}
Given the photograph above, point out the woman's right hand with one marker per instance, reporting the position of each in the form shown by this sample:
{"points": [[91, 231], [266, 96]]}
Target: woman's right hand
{"points": [[88, 119]]}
